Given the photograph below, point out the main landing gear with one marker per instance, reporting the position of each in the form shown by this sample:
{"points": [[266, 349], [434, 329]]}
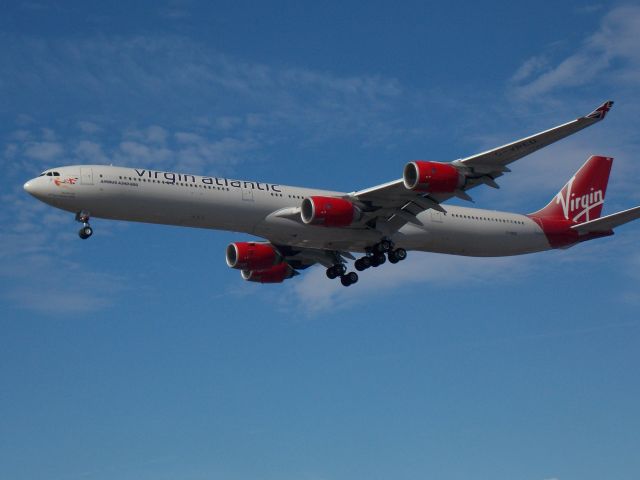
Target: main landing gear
{"points": [[86, 231], [376, 256], [340, 270]]}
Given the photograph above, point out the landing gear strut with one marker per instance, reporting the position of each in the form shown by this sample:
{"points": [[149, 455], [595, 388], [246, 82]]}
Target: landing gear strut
{"points": [[86, 231]]}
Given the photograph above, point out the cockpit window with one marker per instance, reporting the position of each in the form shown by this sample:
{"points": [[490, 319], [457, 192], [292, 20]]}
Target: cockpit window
{"points": [[56, 174]]}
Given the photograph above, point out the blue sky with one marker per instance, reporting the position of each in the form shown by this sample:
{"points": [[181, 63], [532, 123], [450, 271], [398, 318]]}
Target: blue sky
{"points": [[140, 355]]}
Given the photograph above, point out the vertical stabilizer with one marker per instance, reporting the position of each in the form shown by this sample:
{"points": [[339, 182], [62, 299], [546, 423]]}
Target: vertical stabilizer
{"points": [[581, 199]]}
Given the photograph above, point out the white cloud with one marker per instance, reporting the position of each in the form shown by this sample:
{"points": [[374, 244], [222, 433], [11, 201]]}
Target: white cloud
{"points": [[227, 122], [24, 119], [90, 152], [10, 150], [187, 137], [590, 8], [22, 135], [62, 284], [155, 76], [88, 127], [65, 290], [131, 153], [199, 153], [610, 55], [154, 134], [530, 67], [174, 12], [152, 146], [49, 134], [44, 151]]}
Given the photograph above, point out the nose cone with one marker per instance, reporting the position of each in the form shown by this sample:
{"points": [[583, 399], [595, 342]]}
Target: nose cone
{"points": [[33, 187]]}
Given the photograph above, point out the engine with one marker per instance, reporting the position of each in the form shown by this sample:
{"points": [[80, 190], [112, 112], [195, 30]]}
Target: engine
{"points": [[252, 255], [329, 211], [433, 177], [275, 274]]}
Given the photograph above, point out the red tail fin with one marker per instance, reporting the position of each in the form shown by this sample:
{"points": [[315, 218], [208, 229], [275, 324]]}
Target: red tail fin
{"points": [[581, 199]]}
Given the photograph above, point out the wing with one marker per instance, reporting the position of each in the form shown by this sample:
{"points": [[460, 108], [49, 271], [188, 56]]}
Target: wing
{"points": [[300, 258], [389, 206], [496, 159]]}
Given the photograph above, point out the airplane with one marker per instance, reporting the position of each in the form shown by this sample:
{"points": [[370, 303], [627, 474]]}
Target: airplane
{"points": [[302, 226]]}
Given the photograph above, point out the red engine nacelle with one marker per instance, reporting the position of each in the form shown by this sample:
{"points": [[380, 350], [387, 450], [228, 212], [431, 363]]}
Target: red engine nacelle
{"points": [[276, 274], [252, 255], [434, 177], [329, 211]]}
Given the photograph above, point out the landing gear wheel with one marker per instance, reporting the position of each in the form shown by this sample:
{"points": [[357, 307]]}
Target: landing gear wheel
{"points": [[393, 257], [85, 232], [336, 270], [362, 263], [349, 279], [378, 259], [331, 272], [400, 253], [385, 245]]}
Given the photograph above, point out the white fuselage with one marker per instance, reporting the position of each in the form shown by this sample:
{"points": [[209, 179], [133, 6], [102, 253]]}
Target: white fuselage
{"points": [[269, 211]]}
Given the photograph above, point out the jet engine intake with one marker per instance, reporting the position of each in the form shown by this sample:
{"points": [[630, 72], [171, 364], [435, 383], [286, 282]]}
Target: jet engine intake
{"points": [[432, 177], [329, 211], [252, 255]]}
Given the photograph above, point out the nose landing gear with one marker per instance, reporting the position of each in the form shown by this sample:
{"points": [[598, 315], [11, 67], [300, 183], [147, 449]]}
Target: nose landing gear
{"points": [[86, 231]]}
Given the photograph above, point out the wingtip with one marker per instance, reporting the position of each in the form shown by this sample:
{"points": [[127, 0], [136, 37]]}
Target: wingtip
{"points": [[601, 112]]}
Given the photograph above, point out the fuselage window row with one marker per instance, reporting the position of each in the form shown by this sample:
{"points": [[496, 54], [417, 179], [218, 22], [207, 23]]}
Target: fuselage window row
{"points": [[501, 220]]}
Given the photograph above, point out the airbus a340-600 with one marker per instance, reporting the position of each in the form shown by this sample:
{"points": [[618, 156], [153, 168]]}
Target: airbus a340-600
{"points": [[303, 226]]}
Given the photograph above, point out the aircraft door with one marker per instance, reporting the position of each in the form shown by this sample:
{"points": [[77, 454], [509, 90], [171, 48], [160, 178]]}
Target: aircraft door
{"points": [[247, 195], [86, 176]]}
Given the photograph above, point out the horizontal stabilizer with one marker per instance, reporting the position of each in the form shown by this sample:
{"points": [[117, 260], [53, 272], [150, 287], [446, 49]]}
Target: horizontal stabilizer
{"points": [[609, 222]]}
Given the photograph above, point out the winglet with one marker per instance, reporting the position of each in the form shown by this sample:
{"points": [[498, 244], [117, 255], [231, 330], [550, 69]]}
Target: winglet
{"points": [[601, 111]]}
